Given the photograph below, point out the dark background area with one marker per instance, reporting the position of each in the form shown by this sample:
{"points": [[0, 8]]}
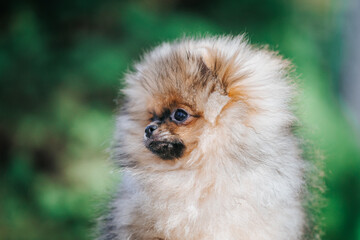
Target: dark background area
{"points": [[61, 67]]}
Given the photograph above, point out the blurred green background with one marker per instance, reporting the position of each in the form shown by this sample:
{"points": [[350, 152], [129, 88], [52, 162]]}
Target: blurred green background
{"points": [[61, 65]]}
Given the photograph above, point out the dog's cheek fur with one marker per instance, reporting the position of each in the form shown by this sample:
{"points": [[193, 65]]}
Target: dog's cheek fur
{"points": [[190, 134]]}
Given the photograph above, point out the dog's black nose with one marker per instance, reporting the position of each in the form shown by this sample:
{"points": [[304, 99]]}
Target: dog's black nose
{"points": [[149, 130]]}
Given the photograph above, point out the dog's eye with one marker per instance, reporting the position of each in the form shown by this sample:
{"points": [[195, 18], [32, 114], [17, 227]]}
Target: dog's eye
{"points": [[180, 115]]}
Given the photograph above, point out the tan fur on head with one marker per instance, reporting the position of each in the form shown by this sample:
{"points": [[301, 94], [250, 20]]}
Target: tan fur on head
{"points": [[232, 169]]}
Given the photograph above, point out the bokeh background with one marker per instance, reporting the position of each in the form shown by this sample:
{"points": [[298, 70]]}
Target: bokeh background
{"points": [[61, 67]]}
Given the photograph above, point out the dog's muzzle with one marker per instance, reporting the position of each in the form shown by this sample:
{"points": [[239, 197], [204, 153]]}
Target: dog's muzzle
{"points": [[161, 146]]}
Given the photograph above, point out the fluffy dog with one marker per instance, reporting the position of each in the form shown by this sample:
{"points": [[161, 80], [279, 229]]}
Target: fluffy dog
{"points": [[206, 146]]}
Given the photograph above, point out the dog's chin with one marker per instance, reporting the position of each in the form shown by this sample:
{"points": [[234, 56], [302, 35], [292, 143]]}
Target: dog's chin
{"points": [[166, 150]]}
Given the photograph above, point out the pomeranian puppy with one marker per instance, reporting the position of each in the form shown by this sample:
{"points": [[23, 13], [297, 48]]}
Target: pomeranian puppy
{"points": [[205, 142]]}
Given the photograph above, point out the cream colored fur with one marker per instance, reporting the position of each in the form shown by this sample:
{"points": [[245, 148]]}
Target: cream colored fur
{"points": [[244, 178]]}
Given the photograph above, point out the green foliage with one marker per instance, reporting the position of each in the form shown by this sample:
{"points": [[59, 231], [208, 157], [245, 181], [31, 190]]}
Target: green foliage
{"points": [[61, 66]]}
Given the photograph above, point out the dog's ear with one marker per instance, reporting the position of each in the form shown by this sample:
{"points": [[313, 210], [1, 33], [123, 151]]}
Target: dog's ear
{"points": [[210, 64], [216, 63], [204, 69], [207, 60], [224, 68]]}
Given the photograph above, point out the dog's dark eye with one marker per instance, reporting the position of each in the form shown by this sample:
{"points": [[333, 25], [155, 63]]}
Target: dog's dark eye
{"points": [[180, 115]]}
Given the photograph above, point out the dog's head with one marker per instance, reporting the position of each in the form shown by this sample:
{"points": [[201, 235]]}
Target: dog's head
{"points": [[197, 97]]}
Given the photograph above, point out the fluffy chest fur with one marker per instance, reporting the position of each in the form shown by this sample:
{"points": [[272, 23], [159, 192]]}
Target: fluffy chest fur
{"points": [[218, 204]]}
